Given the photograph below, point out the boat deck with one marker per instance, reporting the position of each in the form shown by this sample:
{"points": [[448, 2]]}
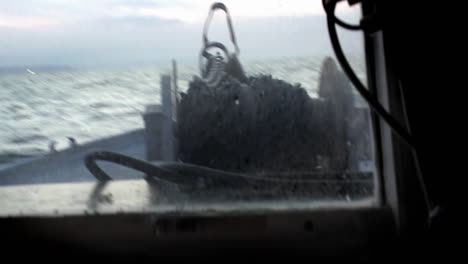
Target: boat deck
{"points": [[68, 165]]}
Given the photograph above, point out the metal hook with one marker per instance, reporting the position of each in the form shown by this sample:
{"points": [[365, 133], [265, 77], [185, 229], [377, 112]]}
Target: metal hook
{"points": [[213, 8], [204, 54]]}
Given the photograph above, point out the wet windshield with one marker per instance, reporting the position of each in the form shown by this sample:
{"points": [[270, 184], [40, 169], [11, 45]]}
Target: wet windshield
{"points": [[262, 101]]}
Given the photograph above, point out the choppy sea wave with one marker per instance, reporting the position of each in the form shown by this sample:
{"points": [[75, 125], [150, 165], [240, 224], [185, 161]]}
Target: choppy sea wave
{"points": [[90, 105]]}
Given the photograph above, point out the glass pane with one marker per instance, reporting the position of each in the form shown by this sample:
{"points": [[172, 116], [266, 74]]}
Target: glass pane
{"points": [[81, 75]]}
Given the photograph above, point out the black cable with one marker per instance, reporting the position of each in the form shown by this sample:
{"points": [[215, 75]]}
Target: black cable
{"points": [[91, 158], [341, 22], [183, 173], [346, 25], [370, 99], [431, 208], [404, 133]]}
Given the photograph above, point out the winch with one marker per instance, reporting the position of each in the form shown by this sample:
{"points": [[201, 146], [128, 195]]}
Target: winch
{"points": [[237, 130]]}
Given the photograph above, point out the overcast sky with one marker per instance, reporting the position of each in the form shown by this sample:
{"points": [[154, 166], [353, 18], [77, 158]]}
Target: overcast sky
{"points": [[115, 33]]}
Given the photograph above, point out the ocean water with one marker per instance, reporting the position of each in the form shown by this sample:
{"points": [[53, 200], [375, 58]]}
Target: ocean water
{"points": [[89, 105]]}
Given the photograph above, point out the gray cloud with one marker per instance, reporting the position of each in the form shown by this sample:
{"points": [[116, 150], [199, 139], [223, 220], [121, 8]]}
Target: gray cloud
{"points": [[93, 38]]}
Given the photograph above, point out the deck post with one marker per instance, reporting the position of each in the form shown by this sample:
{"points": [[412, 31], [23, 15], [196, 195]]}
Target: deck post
{"points": [[159, 125]]}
